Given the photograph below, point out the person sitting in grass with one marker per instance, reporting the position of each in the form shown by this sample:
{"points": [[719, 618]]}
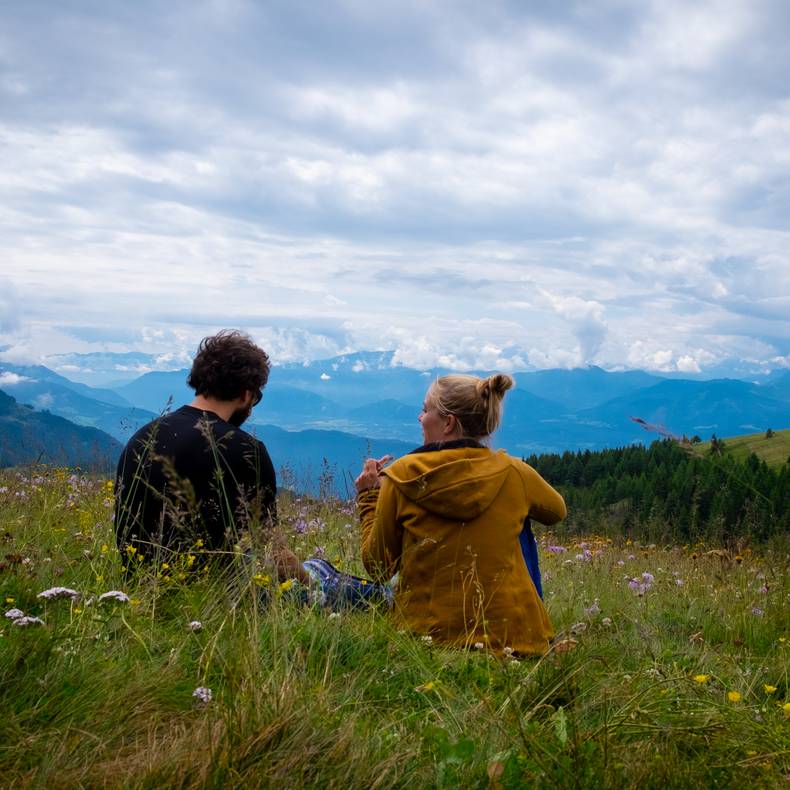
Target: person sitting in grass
{"points": [[452, 519], [192, 478]]}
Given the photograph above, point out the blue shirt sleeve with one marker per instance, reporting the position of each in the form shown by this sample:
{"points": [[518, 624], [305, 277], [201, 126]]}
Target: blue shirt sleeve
{"points": [[529, 548]]}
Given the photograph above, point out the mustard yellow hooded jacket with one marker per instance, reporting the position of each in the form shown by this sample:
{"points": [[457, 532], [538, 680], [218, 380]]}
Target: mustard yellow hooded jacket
{"points": [[448, 521]]}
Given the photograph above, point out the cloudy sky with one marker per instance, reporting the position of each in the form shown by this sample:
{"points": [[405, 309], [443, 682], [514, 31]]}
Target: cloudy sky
{"points": [[471, 184]]}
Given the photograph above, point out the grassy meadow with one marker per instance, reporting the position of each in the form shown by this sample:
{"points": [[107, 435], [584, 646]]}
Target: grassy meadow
{"points": [[774, 450], [677, 676]]}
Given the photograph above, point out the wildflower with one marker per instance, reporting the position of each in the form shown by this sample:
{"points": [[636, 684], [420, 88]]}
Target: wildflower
{"points": [[104, 548], [592, 610], [678, 582], [763, 589], [508, 651], [738, 559], [427, 639], [607, 621], [334, 616], [757, 611], [114, 595], [23, 621], [620, 563], [53, 593], [782, 639], [195, 625], [429, 686], [786, 709], [286, 585], [261, 579], [10, 600], [556, 549], [203, 694], [199, 543], [479, 646], [701, 678], [734, 696], [14, 614], [769, 689], [633, 584], [648, 578], [578, 628]]}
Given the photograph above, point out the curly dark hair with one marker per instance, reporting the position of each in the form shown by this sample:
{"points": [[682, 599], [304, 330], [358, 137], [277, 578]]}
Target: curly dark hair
{"points": [[227, 365]]}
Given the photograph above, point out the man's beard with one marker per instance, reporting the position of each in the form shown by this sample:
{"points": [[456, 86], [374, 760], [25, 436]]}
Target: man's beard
{"points": [[239, 416]]}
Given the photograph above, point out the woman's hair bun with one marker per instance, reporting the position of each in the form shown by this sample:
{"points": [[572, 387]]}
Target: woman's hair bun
{"points": [[499, 383]]}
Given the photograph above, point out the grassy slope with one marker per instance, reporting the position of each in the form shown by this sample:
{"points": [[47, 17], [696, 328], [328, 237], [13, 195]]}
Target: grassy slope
{"points": [[102, 695], [774, 451]]}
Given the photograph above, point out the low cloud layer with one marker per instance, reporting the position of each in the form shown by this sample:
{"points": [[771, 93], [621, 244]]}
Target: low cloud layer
{"points": [[469, 185]]}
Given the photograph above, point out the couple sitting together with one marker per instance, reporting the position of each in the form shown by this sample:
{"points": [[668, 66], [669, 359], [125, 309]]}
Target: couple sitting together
{"points": [[450, 520]]}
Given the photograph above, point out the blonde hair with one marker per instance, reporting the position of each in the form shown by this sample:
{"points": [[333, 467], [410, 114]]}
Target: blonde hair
{"points": [[476, 403]]}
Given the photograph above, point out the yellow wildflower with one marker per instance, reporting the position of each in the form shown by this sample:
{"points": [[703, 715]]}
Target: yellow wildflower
{"points": [[429, 686], [768, 689], [199, 543], [782, 639], [738, 559], [786, 709], [99, 579], [104, 548], [10, 600], [262, 580], [165, 566], [286, 585], [701, 678], [734, 696], [135, 602], [190, 560]]}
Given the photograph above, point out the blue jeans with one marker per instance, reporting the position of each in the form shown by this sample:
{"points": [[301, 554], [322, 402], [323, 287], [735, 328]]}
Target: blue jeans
{"points": [[339, 590]]}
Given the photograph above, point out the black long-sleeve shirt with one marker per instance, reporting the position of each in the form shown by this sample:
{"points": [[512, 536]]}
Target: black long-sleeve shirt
{"points": [[191, 476]]}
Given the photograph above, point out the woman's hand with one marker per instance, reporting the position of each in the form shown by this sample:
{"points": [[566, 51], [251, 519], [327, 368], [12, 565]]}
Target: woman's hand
{"points": [[370, 476]]}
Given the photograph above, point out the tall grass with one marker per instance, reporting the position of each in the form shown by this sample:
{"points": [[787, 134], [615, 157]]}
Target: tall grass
{"points": [[102, 694]]}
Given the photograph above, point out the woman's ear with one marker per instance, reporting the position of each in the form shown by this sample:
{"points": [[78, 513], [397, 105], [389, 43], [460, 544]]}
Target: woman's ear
{"points": [[450, 425]]}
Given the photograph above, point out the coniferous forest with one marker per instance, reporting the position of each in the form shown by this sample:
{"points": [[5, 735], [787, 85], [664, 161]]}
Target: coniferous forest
{"points": [[666, 492]]}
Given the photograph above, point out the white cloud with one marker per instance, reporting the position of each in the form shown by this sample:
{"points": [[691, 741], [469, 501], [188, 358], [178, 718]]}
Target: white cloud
{"points": [[325, 377], [9, 379], [472, 186], [44, 401]]}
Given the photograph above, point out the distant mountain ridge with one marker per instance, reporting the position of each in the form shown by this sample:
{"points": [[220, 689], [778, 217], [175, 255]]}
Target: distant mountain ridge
{"points": [[28, 436], [364, 395]]}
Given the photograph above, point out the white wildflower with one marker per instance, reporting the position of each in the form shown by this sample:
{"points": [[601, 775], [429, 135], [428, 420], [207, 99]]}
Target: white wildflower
{"points": [[607, 621], [508, 651], [14, 614], [578, 628], [195, 625], [334, 616], [203, 694], [23, 621], [53, 593], [427, 639], [592, 610], [479, 646], [114, 595]]}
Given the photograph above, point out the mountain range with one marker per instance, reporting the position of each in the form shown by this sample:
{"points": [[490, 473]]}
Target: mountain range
{"points": [[339, 409]]}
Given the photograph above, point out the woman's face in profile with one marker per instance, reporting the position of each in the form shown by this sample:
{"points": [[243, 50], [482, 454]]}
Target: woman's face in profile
{"points": [[433, 424]]}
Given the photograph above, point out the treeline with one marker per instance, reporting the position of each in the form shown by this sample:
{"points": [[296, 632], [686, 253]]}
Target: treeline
{"points": [[666, 492]]}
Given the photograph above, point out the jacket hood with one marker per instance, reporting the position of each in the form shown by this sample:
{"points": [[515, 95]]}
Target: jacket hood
{"points": [[453, 483]]}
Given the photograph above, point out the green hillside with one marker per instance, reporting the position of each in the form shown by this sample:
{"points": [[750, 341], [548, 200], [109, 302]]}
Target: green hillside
{"points": [[774, 451]]}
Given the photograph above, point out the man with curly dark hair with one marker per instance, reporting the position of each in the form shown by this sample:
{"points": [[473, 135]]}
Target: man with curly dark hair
{"points": [[192, 478]]}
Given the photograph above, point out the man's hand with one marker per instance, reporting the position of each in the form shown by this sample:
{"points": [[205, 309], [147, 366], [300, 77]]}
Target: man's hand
{"points": [[370, 476]]}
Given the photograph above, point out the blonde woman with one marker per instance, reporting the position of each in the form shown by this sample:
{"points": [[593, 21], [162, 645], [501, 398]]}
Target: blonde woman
{"points": [[449, 517]]}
